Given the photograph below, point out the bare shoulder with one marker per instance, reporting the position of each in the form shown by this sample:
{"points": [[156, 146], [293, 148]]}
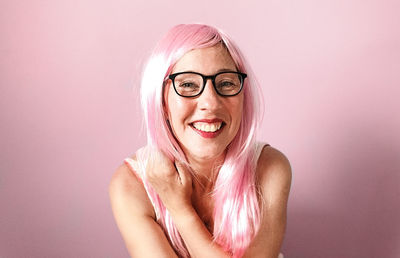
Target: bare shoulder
{"points": [[274, 173], [126, 190], [135, 215]]}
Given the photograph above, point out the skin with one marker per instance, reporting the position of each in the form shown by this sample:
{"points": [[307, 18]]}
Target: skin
{"points": [[186, 199]]}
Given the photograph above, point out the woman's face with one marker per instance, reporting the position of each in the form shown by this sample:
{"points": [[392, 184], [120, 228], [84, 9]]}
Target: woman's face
{"points": [[195, 121]]}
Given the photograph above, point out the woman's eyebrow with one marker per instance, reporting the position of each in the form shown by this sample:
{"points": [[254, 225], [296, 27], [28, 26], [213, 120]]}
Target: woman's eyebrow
{"points": [[226, 70]]}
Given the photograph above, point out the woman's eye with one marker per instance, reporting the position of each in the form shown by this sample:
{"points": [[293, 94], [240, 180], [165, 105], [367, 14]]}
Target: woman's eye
{"points": [[226, 84], [188, 85]]}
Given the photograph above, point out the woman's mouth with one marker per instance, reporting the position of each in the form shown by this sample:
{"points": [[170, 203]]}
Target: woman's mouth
{"points": [[208, 130], [207, 127]]}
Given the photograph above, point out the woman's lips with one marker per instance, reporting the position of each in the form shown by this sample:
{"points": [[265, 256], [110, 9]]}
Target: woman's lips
{"points": [[207, 127], [208, 130]]}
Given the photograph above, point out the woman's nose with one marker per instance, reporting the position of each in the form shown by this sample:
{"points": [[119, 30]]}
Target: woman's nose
{"points": [[209, 98]]}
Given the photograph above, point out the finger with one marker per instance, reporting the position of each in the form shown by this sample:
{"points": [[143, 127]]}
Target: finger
{"points": [[184, 173]]}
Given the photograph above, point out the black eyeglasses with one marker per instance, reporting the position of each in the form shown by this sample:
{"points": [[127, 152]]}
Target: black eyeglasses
{"points": [[192, 84]]}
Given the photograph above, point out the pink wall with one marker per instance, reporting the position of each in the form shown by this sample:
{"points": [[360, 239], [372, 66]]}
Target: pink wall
{"points": [[330, 75]]}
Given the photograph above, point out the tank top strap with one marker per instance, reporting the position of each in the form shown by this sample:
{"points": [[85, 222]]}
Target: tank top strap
{"points": [[259, 147], [134, 167]]}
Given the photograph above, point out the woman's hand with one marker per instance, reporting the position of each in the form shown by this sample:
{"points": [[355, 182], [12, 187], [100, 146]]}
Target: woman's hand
{"points": [[172, 181]]}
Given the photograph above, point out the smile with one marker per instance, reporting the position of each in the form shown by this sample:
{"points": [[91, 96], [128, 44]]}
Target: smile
{"points": [[207, 127]]}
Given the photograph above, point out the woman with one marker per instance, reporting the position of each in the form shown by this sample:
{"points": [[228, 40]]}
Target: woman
{"points": [[202, 187]]}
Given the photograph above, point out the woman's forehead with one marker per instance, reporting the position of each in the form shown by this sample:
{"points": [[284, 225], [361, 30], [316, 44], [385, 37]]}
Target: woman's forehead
{"points": [[205, 60]]}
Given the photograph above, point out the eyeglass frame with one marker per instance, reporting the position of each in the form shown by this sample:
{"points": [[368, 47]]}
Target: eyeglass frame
{"points": [[205, 79]]}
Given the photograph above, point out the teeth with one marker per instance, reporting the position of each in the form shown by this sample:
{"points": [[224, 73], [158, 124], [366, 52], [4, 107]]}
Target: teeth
{"points": [[207, 127]]}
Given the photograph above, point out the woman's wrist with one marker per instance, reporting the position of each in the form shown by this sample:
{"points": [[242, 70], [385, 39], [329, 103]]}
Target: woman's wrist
{"points": [[196, 236], [184, 215]]}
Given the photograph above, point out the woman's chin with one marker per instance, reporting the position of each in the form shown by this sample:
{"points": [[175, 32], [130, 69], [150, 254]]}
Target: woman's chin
{"points": [[205, 154]]}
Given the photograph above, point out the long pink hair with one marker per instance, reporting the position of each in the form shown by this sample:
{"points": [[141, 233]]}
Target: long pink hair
{"points": [[237, 208]]}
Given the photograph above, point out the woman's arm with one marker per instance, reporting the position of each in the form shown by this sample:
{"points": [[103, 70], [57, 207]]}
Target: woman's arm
{"points": [[173, 183], [274, 177], [135, 217], [197, 238]]}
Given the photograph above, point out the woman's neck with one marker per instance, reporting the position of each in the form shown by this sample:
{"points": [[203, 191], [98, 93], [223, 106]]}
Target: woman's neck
{"points": [[205, 170]]}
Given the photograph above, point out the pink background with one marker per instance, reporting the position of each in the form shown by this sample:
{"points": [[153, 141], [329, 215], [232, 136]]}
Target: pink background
{"points": [[331, 81]]}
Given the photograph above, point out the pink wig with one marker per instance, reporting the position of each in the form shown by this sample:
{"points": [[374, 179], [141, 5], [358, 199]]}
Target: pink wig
{"points": [[237, 209]]}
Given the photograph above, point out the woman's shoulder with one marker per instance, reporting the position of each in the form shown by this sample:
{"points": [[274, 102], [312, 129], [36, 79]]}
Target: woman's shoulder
{"points": [[126, 189], [274, 173], [271, 157], [124, 177]]}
